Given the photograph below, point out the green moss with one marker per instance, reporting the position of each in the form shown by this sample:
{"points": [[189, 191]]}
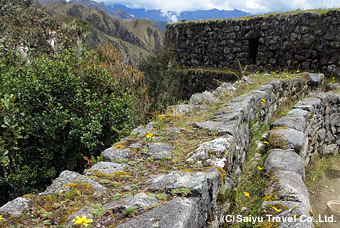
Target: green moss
{"points": [[82, 188], [277, 141]]}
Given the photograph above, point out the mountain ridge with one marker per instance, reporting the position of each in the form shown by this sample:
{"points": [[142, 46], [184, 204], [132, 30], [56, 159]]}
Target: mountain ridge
{"points": [[136, 38]]}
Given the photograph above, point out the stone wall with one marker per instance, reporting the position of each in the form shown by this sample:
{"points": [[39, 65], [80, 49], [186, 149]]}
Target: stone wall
{"points": [[312, 127], [226, 154], [306, 41]]}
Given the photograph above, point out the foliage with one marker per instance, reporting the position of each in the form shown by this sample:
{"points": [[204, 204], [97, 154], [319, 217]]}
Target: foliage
{"points": [[66, 108], [163, 80]]}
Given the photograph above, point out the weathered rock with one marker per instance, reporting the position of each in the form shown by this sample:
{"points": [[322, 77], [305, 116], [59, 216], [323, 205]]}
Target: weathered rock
{"points": [[160, 150], [286, 160], [295, 122], [222, 127], [225, 89], [203, 98], [217, 152], [290, 209], [332, 86], [309, 104], [315, 79], [330, 149], [16, 206], [85, 211], [106, 167], [289, 186], [139, 201], [112, 154], [183, 108], [68, 177], [289, 139], [198, 182], [175, 213]]}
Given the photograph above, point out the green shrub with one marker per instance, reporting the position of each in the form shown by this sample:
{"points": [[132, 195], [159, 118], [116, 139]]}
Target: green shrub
{"points": [[163, 78], [53, 112]]}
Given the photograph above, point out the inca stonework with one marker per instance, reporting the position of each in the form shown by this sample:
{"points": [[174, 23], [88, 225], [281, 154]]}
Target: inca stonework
{"points": [[304, 41]]}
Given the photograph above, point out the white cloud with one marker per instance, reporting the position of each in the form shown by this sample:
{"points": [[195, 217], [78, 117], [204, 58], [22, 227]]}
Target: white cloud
{"points": [[252, 6]]}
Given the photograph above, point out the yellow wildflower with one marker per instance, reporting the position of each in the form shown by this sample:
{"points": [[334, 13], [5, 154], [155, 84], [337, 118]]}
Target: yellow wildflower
{"points": [[259, 168], [282, 113], [227, 94], [277, 210], [333, 79], [310, 114], [0, 217], [149, 136], [297, 71], [313, 178], [82, 221], [287, 75], [247, 194], [262, 103], [265, 142]]}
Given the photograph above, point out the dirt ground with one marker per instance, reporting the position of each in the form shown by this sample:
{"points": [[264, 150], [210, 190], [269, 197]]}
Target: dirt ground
{"points": [[325, 189]]}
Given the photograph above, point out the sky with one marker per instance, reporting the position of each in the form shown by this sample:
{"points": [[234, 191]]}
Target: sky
{"points": [[250, 6]]}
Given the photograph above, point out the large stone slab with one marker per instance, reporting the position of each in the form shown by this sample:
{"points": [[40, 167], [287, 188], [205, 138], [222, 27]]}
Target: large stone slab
{"points": [[291, 210], [203, 98], [16, 206], [198, 182], [223, 127], [177, 213], [68, 177], [289, 139], [140, 200], [296, 122], [112, 154], [106, 167], [217, 152], [286, 160], [160, 150], [309, 104], [289, 186]]}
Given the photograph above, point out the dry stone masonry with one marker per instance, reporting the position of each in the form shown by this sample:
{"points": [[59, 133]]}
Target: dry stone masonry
{"points": [[307, 41], [311, 128], [223, 157]]}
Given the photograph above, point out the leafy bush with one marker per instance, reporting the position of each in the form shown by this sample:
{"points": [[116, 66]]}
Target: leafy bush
{"points": [[163, 79], [53, 112]]}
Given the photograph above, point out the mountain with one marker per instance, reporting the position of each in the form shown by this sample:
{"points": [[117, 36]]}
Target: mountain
{"points": [[158, 15], [213, 13], [135, 38]]}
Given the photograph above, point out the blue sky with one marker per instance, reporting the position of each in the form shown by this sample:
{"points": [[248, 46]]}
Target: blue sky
{"points": [[251, 6]]}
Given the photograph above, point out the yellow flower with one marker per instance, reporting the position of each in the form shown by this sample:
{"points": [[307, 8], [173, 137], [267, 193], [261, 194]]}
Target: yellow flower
{"points": [[259, 168], [297, 71], [247, 194], [149, 136], [306, 85], [265, 142], [262, 103], [0, 217], [310, 114], [287, 75], [82, 221], [313, 178], [161, 116], [278, 210], [282, 113], [227, 94]]}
